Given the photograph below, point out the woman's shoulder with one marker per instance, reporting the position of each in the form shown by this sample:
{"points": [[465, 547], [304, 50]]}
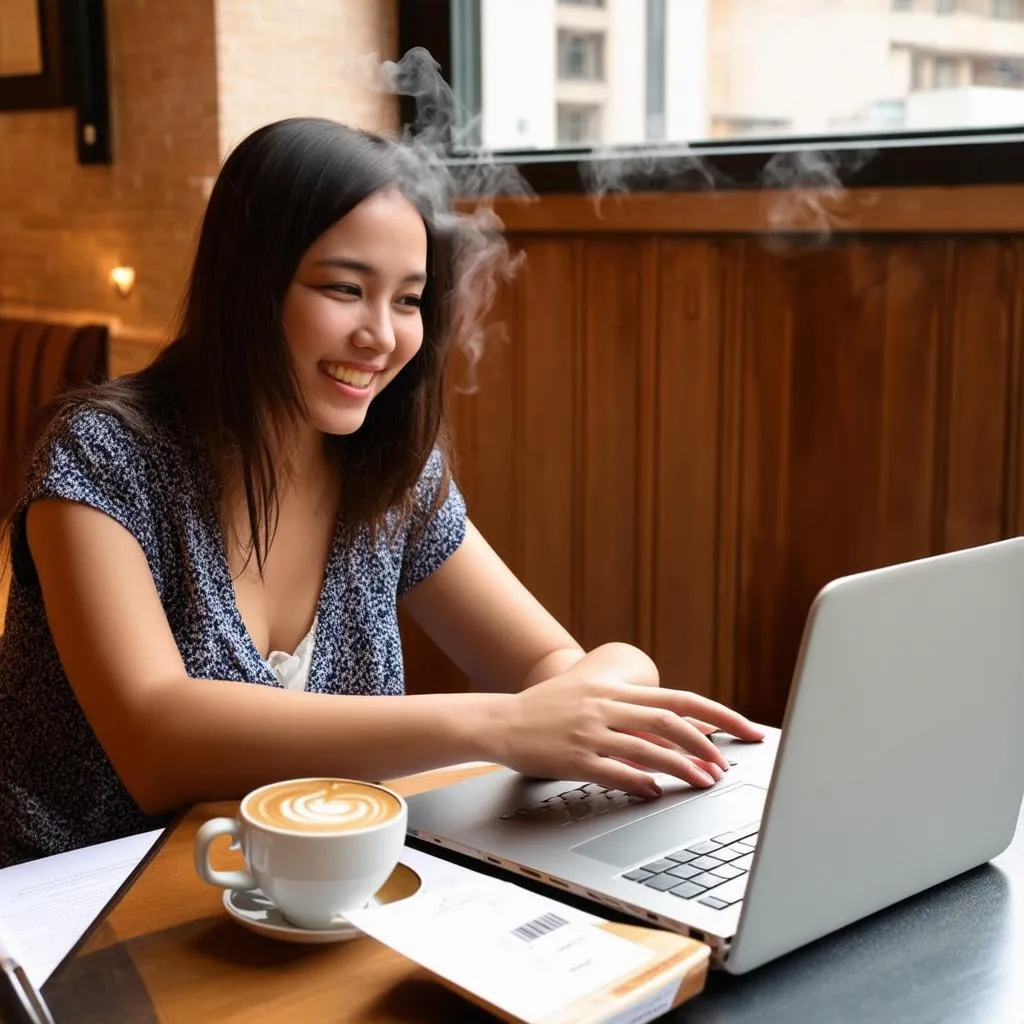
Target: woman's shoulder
{"points": [[100, 438]]}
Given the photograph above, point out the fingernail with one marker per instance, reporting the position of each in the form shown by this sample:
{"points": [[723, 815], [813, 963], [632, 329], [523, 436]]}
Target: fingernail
{"points": [[655, 790], [706, 778]]}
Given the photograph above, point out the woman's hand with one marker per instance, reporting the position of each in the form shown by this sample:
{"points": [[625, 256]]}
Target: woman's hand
{"points": [[594, 722]]}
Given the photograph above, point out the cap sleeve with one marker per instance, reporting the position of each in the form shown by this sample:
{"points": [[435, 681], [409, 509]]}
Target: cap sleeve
{"points": [[92, 458], [442, 532]]}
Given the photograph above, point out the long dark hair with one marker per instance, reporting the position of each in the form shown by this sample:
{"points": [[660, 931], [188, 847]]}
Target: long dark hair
{"points": [[229, 368]]}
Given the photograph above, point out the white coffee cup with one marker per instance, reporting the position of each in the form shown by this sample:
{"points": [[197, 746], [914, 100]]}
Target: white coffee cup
{"points": [[315, 847]]}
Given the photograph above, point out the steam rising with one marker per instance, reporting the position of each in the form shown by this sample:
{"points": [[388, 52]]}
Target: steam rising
{"points": [[803, 189], [483, 259], [811, 189]]}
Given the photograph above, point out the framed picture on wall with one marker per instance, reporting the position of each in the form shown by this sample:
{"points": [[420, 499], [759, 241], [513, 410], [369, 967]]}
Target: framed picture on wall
{"points": [[34, 58]]}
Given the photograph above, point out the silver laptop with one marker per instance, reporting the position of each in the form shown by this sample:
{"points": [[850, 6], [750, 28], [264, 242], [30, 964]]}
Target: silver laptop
{"points": [[900, 764]]}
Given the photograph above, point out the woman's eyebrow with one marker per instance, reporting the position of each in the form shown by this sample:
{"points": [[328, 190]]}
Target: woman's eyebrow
{"points": [[361, 267]]}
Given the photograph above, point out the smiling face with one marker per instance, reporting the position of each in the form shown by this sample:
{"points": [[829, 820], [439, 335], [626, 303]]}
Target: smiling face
{"points": [[352, 312]]}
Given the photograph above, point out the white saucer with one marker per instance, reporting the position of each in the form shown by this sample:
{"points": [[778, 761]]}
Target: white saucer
{"points": [[252, 910]]}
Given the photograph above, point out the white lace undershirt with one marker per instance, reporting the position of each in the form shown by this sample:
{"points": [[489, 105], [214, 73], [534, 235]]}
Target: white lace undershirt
{"points": [[292, 670]]}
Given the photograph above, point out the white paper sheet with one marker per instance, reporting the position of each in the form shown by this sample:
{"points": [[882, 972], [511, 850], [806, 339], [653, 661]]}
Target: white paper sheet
{"points": [[523, 952], [46, 905]]}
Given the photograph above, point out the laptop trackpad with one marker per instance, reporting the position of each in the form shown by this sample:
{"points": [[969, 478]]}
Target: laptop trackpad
{"points": [[676, 826]]}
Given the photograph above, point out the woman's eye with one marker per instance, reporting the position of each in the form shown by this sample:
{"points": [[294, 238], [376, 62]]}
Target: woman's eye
{"points": [[344, 289], [415, 301]]}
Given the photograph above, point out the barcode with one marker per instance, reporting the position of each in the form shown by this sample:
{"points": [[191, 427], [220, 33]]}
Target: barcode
{"points": [[539, 926]]}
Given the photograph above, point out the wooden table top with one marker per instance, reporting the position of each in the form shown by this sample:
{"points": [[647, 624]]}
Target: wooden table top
{"points": [[168, 952]]}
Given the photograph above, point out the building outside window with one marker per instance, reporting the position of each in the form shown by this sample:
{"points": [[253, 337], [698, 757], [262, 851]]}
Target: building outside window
{"points": [[580, 55], [579, 123]]}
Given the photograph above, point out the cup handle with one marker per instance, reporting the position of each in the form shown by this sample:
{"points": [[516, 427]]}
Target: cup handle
{"points": [[209, 831]]}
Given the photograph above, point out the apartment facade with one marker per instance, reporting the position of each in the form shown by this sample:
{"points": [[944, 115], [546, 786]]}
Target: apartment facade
{"points": [[613, 72]]}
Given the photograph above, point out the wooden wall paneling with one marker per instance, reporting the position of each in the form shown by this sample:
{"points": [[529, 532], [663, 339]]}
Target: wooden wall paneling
{"points": [[485, 425], [548, 344], [981, 316], [841, 398], [612, 291], [482, 414], [909, 471], [767, 587], [732, 260], [648, 343], [688, 451]]}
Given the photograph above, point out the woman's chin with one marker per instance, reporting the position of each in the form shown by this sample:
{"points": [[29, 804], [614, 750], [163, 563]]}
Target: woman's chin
{"points": [[339, 424]]}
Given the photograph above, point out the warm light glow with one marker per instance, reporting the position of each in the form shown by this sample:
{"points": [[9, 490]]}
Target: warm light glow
{"points": [[124, 279]]}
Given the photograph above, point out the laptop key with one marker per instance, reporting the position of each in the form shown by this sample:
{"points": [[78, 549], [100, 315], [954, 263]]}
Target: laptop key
{"points": [[707, 879], [686, 890], [727, 853], [727, 871], [683, 871], [657, 866], [705, 863], [745, 862], [639, 875], [740, 833], [682, 856], [709, 846], [661, 882], [714, 902], [732, 891]]}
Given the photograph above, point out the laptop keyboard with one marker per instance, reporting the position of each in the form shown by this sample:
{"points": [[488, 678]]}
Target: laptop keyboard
{"points": [[577, 804], [713, 872]]}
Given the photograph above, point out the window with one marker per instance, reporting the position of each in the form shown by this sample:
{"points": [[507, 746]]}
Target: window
{"points": [[579, 124], [947, 73], [845, 76], [1011, 10], [690, 71], [580, 55], [998, 74]]}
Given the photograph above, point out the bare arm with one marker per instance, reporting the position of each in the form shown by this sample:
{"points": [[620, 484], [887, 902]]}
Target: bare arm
{"points": [[477, 611], [175, 740]]}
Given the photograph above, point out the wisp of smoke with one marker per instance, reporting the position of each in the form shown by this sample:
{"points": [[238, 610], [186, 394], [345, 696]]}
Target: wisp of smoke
{"points": [[621, 171], [806, 190], [803, 188], [483, 259]]}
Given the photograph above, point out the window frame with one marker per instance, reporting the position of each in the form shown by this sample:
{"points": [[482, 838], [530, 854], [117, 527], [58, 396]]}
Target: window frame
{"points": [[968, 156]]}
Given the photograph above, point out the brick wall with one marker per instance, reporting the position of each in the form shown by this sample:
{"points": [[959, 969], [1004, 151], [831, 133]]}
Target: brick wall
{"points": [[63, 227], [187, 81], [281, 58]]}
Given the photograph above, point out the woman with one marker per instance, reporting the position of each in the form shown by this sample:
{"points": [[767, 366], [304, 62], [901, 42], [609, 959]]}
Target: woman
{"points": [[208, 556]]}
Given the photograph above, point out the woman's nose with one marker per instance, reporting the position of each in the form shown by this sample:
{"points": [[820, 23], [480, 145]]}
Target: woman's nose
{"points": [[376, 332]]}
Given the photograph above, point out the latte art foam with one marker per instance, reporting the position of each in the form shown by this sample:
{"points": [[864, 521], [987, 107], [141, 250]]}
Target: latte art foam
{"points": [[321, 805]]}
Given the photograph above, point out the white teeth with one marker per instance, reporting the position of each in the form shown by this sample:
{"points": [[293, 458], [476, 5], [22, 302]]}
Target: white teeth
{"points": [[355, 378]]}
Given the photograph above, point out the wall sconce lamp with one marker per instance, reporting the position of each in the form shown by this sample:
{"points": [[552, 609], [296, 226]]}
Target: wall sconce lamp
{"points": [[123, 279]]}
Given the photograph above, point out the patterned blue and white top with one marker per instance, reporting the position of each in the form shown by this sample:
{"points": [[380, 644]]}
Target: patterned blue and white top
{"points": [[58, 789]]}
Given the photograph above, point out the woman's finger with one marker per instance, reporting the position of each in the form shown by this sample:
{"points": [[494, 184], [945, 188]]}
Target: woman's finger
{"points": [[687, 705], [614, 773], [635, 750], [668, 725], [705, 766], [705, 727]]}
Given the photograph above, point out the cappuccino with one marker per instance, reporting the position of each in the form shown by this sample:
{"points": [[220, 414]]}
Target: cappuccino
{"points": [[314, 806], [314, 847]]}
